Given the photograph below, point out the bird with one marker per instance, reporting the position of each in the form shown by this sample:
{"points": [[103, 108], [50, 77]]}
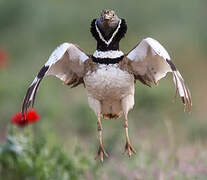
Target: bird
{"points": [[109, 75]]}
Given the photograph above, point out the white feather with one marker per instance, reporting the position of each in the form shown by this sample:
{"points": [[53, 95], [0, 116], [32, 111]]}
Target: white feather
{"points": [[158, 48], [74, 54], [108, 54], [57, 54], [140, 52]]}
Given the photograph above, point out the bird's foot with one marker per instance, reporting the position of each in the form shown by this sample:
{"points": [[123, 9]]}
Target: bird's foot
{"points": [[130, 149], [101, 153]]}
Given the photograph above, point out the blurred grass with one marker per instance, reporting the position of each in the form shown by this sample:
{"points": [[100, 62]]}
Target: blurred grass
{"points": [[170, 144], [26, 157]]}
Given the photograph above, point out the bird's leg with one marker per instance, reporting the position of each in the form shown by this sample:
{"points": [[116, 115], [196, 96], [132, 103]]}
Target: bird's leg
{"points": [[128, 146], [101, 152]]}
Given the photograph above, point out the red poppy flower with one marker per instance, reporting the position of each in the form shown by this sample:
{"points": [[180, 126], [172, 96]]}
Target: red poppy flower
{"points": [[3, 58], [31, 117]]}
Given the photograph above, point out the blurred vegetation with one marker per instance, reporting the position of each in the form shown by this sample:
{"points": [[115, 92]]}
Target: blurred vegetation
{"points": [[170, 144], [22, 157]]}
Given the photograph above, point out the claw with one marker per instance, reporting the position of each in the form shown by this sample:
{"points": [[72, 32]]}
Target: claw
{"points": [[130, 149], [101, 153]]}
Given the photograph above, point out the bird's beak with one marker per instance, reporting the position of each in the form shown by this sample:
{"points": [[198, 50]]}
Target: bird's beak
{"points": [[106, 17]]}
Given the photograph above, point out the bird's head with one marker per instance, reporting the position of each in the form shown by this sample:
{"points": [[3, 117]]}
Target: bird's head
{"points": [[109, 17], [107, 21]]}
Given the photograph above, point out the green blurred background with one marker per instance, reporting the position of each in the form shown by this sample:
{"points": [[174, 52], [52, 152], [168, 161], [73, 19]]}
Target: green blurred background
{"points": [[170, 144]]}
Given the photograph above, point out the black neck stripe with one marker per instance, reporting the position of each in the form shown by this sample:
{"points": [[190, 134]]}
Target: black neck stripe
{"points": [[107, 60], [114, 45]]}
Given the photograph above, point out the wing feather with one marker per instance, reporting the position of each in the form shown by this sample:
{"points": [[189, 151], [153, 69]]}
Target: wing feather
{"points": [[66, 62], [150, 62]]}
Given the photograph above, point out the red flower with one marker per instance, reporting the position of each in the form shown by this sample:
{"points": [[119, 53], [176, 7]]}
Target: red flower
{"points": [[3, 58], [32, 116]]}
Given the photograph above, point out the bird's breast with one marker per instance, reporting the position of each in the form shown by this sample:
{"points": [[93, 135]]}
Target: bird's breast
{"points": [[109, 82]]}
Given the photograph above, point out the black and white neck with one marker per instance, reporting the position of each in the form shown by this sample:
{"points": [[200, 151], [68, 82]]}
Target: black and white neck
{"points": [[110, 42], [107, 51]]}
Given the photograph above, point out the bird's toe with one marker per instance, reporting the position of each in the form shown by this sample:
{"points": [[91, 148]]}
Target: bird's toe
{"points": [[129, 149], [101, 154]]}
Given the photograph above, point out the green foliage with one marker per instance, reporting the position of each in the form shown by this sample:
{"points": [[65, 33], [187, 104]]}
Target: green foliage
{"points": [[23, 158]]}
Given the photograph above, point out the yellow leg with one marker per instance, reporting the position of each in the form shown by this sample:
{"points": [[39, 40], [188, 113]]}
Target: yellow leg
{"points": [[128, 146], [101, 152]]}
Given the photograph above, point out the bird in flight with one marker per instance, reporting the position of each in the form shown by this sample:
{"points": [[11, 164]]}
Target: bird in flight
{"points": [[109, 75]]}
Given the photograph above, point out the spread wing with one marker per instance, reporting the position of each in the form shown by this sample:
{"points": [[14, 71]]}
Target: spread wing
{"points": [[149, 62], [66, 63]]}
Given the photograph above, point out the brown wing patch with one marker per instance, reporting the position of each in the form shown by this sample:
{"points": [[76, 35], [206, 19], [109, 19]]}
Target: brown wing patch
{"points": [[74, 81], [145, 78]]}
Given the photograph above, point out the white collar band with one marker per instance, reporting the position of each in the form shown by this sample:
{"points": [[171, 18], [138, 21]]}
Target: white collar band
{"points": [[108, 54]]}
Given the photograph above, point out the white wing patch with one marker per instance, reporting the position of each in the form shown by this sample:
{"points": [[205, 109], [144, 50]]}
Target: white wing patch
{"points": [[140, 52], [57, 54], [75, 53], [60, 51], [158, 48]]}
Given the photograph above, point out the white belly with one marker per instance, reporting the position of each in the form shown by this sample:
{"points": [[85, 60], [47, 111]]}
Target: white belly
{"points": [[109, 85]]}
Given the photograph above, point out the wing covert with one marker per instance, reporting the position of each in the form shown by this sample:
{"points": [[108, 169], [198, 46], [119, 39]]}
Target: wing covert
{"points": [[149, 62], [66, 63]]}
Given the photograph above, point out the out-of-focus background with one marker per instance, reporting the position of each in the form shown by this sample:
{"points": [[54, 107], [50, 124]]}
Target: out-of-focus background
{"points": [[170, 144]]}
